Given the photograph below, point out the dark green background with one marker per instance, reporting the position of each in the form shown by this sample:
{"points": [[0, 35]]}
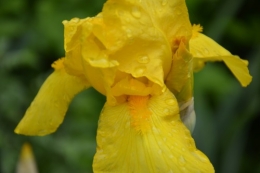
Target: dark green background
{"points": [[31, 38]]}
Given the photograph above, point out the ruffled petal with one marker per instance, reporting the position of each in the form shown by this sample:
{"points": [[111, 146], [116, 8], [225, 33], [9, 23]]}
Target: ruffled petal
{"points": [[48, 109], [72, 45], [112, 42], [205, 49], [146, 134], [146, 49]]}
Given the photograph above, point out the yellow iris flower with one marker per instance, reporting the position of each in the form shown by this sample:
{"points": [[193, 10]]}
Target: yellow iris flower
{"points": [[141, 54]]}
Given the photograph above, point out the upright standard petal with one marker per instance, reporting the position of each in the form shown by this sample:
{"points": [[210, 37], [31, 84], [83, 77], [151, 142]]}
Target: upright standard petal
{"points": [[48, 109], [129, 36], [145, 134], [149, 27], [205, 49]]}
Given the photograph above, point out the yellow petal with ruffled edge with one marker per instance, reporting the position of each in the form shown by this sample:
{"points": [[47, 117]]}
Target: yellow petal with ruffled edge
{"points": [[146, 50], [72, 45], [112, 42], [146, 134], [48, 109], [205, 49]]}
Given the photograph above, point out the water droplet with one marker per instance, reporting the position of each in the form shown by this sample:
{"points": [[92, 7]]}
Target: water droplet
{"points": [[182, 161], [164, 2], [174, 131], [183, 169], [120, 12], [66, 98], [75, 20], [166, 111], [206, 51], [200, 156], [42, 132], [128, 33], [156, 131], [178, 12], [170, 102], [159, 151], [143, 59], [127, 125], [198, 54], [216, 52], [136, 12], [127, 19], [139, 71]]}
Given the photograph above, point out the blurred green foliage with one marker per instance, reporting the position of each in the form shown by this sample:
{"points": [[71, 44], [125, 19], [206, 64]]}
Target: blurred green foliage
{"points": [[31, 38]]}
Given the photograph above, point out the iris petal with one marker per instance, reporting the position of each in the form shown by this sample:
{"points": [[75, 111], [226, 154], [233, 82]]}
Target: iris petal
{"points": [[205, 49], [48, 109], [165, 144]]}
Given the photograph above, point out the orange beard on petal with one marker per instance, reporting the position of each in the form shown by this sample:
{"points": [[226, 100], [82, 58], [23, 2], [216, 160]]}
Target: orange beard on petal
{"points": [[140, 114]]}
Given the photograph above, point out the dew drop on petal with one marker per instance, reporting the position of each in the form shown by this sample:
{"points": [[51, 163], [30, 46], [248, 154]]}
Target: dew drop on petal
{"points": [[200, 156], [42, 132], [128, 33], [175, 131], [164, 2], [139, 71], [216, 52], [198, 54], [159, 151], [127, 125], [182, 161], [155, 130], [184, 169], [178, 12], [143, 59], [136, 12], [170, 102], [206, 51], [166, 111]]}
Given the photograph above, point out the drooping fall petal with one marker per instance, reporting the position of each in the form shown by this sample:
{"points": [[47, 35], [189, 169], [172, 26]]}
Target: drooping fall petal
{"points": [[48, 109], [205, 49], [146, 134]]}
